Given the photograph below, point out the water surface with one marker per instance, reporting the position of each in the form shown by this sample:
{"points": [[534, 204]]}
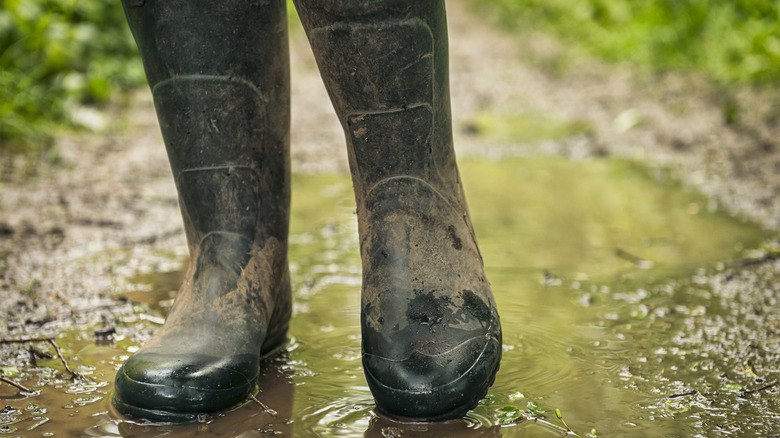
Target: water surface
{"points": [[598, 268]]}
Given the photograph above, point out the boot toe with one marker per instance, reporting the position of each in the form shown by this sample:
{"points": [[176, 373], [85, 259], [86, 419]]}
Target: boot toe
{"points": [[434, 387], [175, 388]]}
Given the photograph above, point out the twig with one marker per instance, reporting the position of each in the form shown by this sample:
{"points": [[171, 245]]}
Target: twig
{"points": [[53, 344], [62, 358], [772, 256], [637, 261], [23, 340], [560, 417], [753, 391], [265, 407], [12, 383]]}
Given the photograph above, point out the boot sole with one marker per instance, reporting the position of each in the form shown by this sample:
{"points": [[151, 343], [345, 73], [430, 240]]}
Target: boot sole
{"points": [[434, 397], [272, 346]]}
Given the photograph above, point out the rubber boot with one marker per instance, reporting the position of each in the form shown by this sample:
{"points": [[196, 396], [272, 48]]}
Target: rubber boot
{"points": [[431, 333], [219, 74]]}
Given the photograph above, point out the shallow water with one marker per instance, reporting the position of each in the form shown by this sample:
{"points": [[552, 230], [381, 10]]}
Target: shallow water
{"points": [[597, 268]]}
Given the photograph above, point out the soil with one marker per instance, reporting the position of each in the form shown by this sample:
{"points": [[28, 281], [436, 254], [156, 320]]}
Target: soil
{"points": [[72, 237]]}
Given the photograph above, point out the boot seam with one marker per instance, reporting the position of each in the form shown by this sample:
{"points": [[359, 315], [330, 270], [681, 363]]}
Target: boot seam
{"points": [[194, 77]]}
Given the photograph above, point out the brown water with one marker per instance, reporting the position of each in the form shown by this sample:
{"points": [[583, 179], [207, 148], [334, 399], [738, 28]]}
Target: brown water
{"points": [[598, 269]]}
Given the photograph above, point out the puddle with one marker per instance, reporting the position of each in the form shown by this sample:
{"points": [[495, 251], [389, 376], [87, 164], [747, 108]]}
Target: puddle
{"points": [[597, 268], [525, 127]]}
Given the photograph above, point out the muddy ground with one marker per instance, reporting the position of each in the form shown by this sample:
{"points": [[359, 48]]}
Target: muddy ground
{"points": [[73, 235]]}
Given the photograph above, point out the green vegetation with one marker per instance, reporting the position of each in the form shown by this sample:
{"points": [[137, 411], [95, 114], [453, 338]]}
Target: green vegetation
{"points": [[733, 41], [56, 55]]}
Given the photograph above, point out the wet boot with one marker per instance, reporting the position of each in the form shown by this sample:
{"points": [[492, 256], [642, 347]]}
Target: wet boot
{"points": [[431, 332], [219, 76]]}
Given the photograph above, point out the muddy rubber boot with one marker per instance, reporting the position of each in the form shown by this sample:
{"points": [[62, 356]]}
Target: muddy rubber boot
{"points": [[219, 75], [431, 332]]}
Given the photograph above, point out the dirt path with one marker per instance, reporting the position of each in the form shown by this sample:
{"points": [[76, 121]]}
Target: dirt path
{"points": [[70, 239]]}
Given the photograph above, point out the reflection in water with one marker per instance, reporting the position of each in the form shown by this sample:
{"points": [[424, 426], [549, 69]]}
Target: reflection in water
{"points": [[595, 268], [381, 427]]}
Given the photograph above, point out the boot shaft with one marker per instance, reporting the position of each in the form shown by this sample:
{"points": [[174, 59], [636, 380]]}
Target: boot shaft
{"points": [[385, 65], [244, 39], [219, 74]]}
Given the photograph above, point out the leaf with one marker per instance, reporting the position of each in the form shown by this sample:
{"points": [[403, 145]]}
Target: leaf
{"points": [[508, 415], [535, 409], [733, 387], [9, 371]]}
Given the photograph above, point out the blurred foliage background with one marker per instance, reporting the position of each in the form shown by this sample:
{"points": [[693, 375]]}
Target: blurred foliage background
{"points": [[732, 41], [57, 56]]}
